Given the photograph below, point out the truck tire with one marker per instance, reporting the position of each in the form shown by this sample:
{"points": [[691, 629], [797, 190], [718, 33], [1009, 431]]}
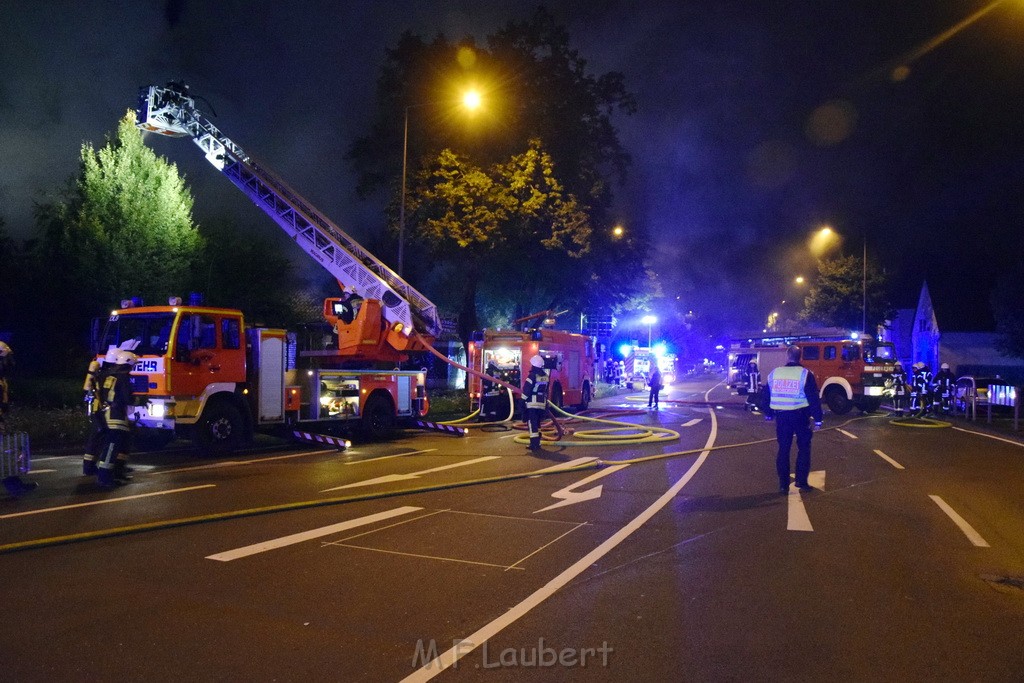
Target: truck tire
{"points": [[378, 420], [585, 398], [556, 395], [221, 428], [835, 399]]}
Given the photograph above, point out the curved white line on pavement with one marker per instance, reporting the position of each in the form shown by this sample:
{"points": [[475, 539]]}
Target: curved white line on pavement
{"points": [[467, 645]]}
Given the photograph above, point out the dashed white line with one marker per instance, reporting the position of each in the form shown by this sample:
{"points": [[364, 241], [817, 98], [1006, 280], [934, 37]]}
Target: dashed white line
{"points": [[104, 501], [692, 422], [388, 457], [843, 431], [275, 543], [234, 463], [889, 460], [968, 530]]}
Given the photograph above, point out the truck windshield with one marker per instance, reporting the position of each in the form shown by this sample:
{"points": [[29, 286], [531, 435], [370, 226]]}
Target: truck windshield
{"points": [[880, 353], [152, 330]]}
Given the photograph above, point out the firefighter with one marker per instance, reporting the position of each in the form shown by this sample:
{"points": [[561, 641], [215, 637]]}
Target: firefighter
{"points": [[13, 483], [490, 395], [93, 408], [115, 395], [535, 393], [944, 385], [920, 394], [753, 386], [898, 379]]}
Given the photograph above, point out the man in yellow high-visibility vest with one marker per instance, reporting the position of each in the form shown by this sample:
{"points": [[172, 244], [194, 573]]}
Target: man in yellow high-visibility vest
{"points": [[793, 400]]}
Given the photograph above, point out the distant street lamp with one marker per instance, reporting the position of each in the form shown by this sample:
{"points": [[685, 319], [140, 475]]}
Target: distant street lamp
{"points": [[649, 320], [471, 100], [618, 231]]}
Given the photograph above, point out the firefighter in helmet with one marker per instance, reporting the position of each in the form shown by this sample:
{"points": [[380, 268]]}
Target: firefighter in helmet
{"points": [[944, 386], [13, 483], [921, 388], [490, 394], [115, 394], [898, 379], [535, 393], [753, 386], [94, 409]]}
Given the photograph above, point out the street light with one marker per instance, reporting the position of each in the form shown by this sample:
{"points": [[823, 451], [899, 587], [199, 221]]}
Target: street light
{"points": [[471, 100], [649, 320]]}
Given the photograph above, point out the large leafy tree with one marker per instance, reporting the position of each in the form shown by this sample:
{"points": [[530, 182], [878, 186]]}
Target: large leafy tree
{"points": [[539, 99], [467, 214], [123, 227], [836, 298]]}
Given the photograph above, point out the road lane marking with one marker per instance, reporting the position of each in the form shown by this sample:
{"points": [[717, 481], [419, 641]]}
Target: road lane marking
{"points": [[273, 544], [892, 462], [796, 517], [566, 465], [448, 658], [388, 457], [233, 463], [104, 501], [567, 496], [970, 431], [515, 565], [389, 478], [34, 471], [843, 431], [968, 530], [692, 422]]}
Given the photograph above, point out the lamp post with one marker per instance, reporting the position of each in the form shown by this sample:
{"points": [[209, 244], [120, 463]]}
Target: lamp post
{"points": [[470, 100], [649, 320]]}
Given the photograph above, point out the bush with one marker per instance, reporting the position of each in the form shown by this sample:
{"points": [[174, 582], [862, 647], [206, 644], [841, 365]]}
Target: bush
{"points": [[50, 428], [448, 405]]}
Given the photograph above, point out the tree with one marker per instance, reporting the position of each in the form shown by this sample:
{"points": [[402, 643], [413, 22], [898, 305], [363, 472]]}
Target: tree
{"points": [[536, 88], [468, 215], [1008, 309], [836, 297]]}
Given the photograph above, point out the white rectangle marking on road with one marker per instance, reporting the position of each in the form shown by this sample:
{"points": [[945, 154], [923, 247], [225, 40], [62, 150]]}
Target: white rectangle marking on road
{"points": [[388, 457], [105, 501], [797, 519], [843, 431], [889, 460], [275, 543], [968, 530]]}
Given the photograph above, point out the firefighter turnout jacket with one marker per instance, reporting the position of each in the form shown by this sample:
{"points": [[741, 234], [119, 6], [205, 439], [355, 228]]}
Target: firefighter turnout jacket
{"points": [[113, 398], [535, 388]]}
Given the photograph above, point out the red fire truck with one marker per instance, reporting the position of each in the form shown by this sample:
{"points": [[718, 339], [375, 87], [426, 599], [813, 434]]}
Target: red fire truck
{"points": [[206, 373], [569, 356]]}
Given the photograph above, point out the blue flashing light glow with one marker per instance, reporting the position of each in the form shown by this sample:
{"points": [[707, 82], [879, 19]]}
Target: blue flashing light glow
{"points": [[660, 349], [855, 335], [626, 349]]}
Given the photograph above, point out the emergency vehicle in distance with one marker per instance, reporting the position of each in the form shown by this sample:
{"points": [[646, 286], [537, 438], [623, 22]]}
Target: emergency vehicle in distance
{"points": [[204, 372], [851, 370], [569, 357]]}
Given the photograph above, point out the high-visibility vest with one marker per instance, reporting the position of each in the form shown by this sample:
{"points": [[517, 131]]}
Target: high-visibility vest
{"points": [[787, 387]]}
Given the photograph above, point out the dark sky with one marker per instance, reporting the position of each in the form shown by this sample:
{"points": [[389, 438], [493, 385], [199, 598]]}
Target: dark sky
{"points": [[757, 122]]}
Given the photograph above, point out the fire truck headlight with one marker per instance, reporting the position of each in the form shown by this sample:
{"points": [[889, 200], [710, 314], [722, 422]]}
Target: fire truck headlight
{"points": [[157, 410]]}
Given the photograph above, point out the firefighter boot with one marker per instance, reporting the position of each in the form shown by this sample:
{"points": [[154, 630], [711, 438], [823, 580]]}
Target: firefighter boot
{"points": [[89, 465], [105, 475], [122, 473], [16, 485]]}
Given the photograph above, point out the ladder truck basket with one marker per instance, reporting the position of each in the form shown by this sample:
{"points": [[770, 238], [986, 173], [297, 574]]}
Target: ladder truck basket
{"points": [[15, 456]]}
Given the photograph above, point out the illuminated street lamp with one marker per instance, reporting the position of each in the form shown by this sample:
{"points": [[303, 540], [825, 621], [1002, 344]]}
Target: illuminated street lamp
{"points": [[618, 231], [471, 100], [649, 320]]}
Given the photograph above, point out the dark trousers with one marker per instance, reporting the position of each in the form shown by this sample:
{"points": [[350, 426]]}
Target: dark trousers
{"points": [[533, 418], [652, 399], [790, 423]]}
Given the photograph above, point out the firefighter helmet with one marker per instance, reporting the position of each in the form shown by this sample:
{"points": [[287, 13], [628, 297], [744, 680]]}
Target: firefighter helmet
{"points": [[944, 366], [125, 358], [5, 350], [537, 362]]}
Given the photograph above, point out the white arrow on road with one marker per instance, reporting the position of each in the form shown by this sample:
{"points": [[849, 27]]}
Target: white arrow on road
{"points": [[570, 497], [388, 478], [797, 518]]}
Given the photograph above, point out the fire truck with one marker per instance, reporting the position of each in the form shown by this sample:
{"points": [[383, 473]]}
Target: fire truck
{"points": [[568, 356], [206, 373], [851, 370]]}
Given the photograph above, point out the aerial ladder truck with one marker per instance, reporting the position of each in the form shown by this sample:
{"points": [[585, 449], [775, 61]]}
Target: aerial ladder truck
{"points": [[205, 373]]}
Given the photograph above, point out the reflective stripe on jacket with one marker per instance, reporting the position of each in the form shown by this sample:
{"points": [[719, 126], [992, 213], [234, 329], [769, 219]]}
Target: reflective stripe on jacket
{"points": [[535, 390], [786, 384]]}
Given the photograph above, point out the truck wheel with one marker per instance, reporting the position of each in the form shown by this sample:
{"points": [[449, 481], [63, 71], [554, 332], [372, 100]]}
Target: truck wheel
{"points": [[836, 400], [585, 400], [378, 418], [556, 395], [220, 429]]}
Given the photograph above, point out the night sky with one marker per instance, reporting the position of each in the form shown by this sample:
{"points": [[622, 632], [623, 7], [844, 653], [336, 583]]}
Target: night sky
{"points": [[757, 123]]}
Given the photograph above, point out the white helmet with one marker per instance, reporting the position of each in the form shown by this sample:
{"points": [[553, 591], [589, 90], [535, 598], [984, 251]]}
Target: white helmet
{"points": [[537, 362], [5, 350], [125, 358], [944, 366]]}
